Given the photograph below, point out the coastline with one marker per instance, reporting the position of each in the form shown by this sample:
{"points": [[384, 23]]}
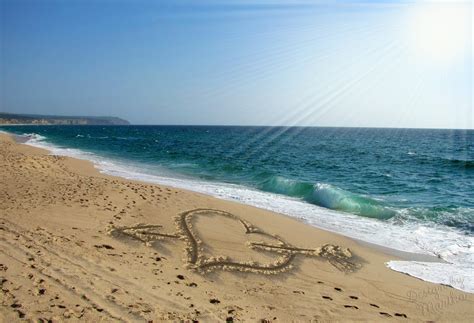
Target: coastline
{"points": [[451, 248], [73, 236]]}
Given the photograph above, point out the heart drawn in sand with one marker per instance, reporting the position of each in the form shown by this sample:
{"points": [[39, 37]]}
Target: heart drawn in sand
{"points": [[196, 259]]}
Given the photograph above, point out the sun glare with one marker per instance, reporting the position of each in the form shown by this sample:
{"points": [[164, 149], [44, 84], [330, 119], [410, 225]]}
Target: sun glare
{"points": [[440, 32]]}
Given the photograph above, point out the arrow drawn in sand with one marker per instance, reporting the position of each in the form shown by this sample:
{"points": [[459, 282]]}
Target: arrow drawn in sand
{"points": [[341, 258]]}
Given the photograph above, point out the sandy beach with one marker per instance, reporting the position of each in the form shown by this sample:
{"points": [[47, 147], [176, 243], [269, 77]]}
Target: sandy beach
{"points": [[82, 246]]}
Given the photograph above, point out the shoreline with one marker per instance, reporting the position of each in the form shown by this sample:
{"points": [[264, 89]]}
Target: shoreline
{"points": [[396, 254], [111, 203]]}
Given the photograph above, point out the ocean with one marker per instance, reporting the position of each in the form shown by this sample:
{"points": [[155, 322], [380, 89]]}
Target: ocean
{"points": [[406, 189]]}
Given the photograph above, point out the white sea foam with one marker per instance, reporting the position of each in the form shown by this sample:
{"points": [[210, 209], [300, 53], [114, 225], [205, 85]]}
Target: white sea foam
{"points": [[450, 245], [452, 274]]}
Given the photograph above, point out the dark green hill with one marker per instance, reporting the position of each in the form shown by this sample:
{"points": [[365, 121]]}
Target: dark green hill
{"points": [[11, 118]]}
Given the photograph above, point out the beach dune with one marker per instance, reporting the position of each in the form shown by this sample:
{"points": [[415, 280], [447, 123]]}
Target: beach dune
{"points": [[77, 244]]}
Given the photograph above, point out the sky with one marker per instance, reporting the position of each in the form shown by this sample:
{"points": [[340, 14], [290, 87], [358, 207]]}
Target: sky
{"points": [[304, 63]]}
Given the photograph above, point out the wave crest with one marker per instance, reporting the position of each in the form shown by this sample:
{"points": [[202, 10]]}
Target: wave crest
{"points": [[328, 196]]}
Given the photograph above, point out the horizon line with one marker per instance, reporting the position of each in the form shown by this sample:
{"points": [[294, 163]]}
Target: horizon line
{"points": [[237, 126]]}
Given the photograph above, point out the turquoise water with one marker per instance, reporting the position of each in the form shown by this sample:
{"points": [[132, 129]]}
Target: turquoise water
{"points": [[379, 173]]}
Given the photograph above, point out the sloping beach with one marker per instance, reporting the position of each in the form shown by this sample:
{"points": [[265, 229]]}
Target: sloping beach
{"points": [[77, 244]]}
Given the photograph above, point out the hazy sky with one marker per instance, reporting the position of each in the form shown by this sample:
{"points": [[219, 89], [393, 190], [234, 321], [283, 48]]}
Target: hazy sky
{"points": [[326, 63]]}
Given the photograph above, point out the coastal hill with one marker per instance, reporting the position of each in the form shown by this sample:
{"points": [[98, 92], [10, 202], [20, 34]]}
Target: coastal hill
{"points": [[10, 118]]}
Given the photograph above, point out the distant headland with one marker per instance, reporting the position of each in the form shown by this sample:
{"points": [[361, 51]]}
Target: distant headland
{"points": [[36, 119]]}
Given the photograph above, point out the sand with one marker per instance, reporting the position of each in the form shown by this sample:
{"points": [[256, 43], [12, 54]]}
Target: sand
{"points": [[79, 245]]}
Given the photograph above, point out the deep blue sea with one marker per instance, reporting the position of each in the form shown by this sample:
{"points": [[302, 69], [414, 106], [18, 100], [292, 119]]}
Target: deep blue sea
{"points": [[408, 189]]}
